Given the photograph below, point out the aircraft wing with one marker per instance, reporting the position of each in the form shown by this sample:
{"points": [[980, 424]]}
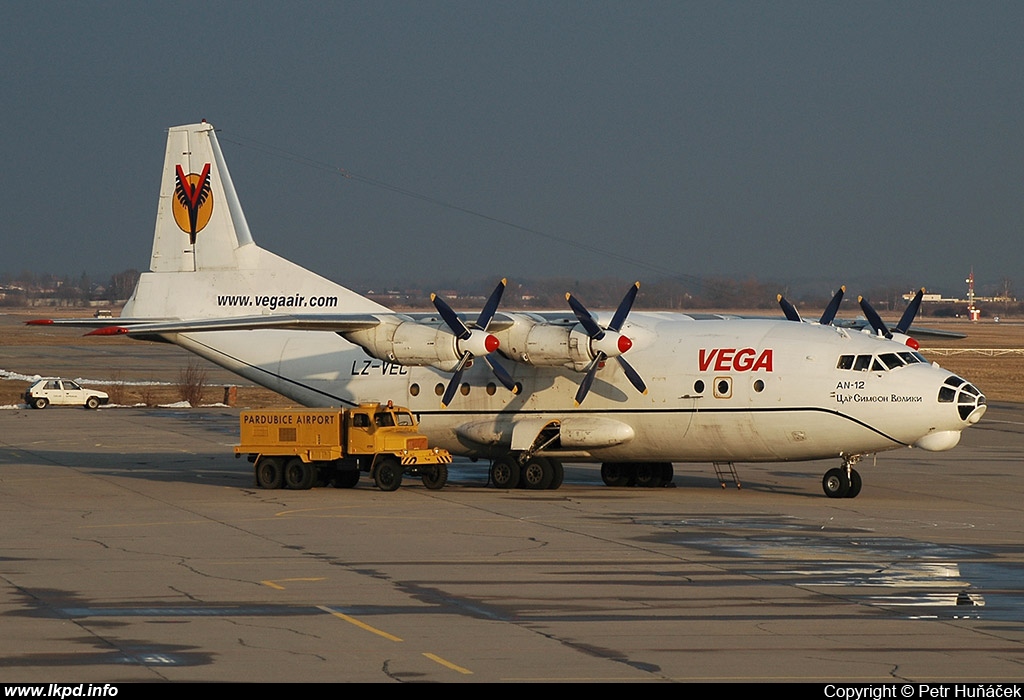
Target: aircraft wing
{"points": [[305, 322], [917, 332], [149, 326]]}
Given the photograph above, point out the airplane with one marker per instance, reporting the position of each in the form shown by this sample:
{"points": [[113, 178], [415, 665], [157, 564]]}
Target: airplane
{"points": [[549, 386]]}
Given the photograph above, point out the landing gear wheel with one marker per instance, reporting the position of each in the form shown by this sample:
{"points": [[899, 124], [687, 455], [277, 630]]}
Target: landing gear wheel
{"points": [[835, 483], [648, 475], [617, 473], [346, 479], [269, 473], [536, 474], [92, 403], [40, 403], [667, 474], [557, 474], [505, 472], [299, 475], [436, 477], [388, 474], [855, 484]]}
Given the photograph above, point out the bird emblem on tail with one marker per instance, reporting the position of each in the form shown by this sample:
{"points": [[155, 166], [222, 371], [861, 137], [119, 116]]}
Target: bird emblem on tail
{"points": [[193, 201]]}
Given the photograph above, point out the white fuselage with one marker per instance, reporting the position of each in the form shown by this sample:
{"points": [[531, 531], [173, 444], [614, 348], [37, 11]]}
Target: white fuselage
{"points": [[718, 390]]}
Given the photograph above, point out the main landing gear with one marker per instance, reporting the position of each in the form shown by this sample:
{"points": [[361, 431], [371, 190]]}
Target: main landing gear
{"points": [[535, 472], [844, 481]]}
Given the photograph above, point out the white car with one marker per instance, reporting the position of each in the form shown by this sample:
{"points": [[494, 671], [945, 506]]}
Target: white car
{"points": [[63, 392]]}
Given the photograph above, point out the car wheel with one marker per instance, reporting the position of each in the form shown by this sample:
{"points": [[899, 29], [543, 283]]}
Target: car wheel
{"points": [[40, 403], [92, 403]]}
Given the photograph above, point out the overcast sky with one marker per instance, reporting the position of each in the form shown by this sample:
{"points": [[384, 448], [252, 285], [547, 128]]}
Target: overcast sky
{"points": [[821, 142]]}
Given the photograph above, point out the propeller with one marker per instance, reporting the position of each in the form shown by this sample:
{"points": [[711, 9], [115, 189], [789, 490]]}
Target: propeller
{"points": [[829, 314], [903, 326], [787, 308], [606, 342], [911, 313], [827, 317], [473, 342]]}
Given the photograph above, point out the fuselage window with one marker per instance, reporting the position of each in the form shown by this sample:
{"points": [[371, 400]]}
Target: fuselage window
{"points": [[698, 387]]}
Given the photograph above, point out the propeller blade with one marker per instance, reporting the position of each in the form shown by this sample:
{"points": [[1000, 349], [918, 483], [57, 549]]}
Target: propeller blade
{"points": [[789, 309], [632, 375], [873, 318], [833, 308], [908, 316], [588, 379], [449, 392], [487, 313], [624, 306], [459, 328], [583, 316], [502, 374]]}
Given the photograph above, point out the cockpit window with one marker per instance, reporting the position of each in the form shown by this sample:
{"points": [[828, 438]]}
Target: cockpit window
{"points": [[891, 360], [911, 357], [883, 363]]}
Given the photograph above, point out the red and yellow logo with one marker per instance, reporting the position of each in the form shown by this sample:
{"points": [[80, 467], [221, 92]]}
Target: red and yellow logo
{"points": [[193, 201]]}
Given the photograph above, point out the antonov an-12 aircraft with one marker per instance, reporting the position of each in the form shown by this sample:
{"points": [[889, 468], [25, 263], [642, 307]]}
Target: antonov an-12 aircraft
{"points": [[548, 386]]}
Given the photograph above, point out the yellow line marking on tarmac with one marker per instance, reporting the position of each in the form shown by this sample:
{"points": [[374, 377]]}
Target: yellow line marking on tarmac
{"points": [[357, 623], [447, 664], [287, 580]]}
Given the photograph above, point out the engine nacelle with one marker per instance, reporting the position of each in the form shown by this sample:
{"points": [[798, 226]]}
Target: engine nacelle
{"points": [[542, 344], [409, 343]]}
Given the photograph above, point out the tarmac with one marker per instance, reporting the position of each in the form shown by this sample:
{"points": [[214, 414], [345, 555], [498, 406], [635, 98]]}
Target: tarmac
{"points": [[137, 548]]}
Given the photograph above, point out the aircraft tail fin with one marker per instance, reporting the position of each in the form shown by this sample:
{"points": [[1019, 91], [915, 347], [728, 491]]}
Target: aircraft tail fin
{"points": [[204, 262]]}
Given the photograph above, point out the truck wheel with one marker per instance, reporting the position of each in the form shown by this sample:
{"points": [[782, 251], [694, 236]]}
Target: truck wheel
{"points": [[435, 477], [40, 403], [92, 403], [346, 479], [269, 473], [388, 474], [299, 475], [505, 472]]}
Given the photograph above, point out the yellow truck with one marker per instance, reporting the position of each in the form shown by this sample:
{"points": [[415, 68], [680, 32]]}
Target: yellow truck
{"points": [[299, 448]]}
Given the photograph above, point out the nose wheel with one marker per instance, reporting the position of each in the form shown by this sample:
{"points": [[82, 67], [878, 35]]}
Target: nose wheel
{"points": [[844, 481]]}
